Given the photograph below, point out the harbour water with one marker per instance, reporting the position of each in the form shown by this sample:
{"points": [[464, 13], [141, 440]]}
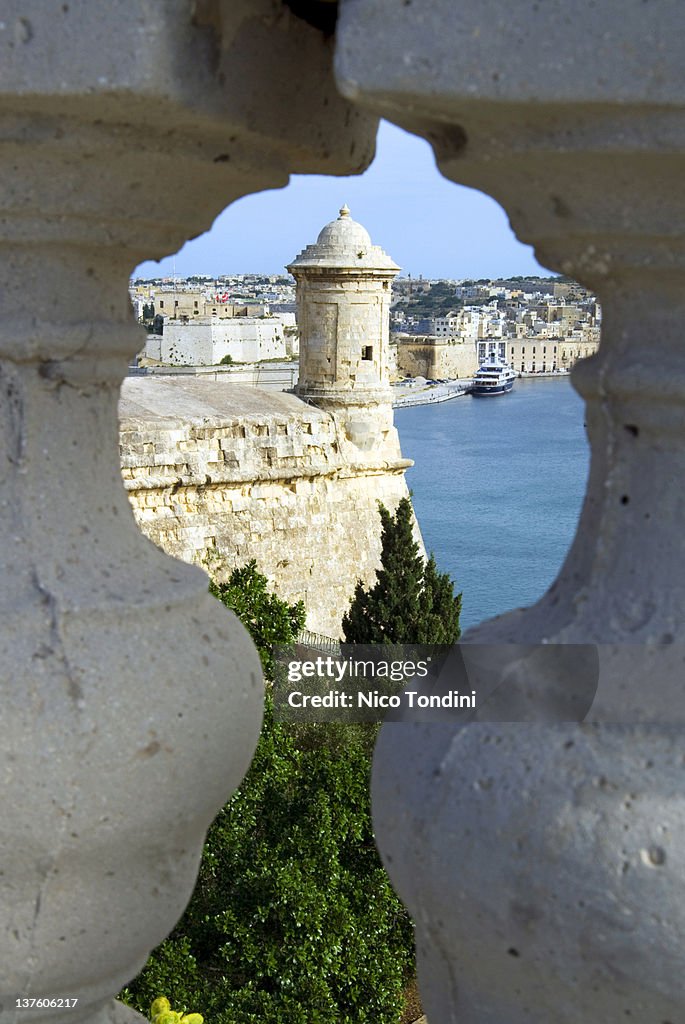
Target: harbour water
{"points": [[497, 488]]}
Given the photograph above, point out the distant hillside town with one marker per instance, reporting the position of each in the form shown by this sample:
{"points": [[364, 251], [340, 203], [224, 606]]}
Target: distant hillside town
{"points": [[440, 329], [446, 329]]}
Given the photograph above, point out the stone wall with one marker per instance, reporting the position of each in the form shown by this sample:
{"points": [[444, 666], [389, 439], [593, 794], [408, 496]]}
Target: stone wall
{"points": [[274, 376], [425, 356], [218, 474], [245, 339]]}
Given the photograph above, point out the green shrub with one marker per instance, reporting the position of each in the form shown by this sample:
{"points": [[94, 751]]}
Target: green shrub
{"points": [[293, 919], [268, 619]]}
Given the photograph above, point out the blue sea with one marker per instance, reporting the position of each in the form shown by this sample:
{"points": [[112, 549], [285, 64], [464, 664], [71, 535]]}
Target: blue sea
{"points": [[497, 489]]}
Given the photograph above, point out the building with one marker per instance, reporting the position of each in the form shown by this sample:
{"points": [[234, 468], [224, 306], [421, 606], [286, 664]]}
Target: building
{"points": [[534, 354], [177, 304], [205, 341]]}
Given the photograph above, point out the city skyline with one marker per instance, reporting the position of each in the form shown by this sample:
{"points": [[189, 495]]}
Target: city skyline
{"points": [[430, 226]]}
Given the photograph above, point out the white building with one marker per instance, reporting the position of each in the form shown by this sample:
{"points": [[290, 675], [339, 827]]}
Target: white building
{"points": [[470, 323], [207, 341]]}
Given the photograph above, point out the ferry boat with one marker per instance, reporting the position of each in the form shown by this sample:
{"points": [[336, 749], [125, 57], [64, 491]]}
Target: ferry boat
{"points": [[494, 377]]}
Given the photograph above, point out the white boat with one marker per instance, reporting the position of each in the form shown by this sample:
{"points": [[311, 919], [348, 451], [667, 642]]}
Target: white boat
{"points": [[494, 377]]}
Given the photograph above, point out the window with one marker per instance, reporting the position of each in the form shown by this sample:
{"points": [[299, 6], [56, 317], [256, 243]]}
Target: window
{"points": [[161, 303], [367, 352]]}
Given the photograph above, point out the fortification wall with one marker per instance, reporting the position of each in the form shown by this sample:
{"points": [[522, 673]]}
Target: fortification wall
{"points": [[419, 356], [218, 474], [245, 339]]}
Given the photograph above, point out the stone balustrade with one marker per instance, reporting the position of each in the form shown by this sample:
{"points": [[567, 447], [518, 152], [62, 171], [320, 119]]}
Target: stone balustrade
{"points": [[522, 850], [542, 863], [131, 699]]}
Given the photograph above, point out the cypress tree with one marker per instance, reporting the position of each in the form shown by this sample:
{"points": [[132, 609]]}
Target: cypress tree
{"points": [[440, 609], [410, 602]]}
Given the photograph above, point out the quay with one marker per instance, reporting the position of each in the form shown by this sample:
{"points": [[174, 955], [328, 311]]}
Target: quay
{"points": [[421, 392]]}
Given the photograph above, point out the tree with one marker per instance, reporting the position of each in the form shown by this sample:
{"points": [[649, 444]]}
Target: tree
{"points": [[410, 602], [440, 609], [267, 618], [293, 918]]}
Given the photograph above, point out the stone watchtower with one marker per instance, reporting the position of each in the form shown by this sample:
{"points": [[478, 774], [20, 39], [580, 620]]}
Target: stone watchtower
{"points": [[343, 307]]}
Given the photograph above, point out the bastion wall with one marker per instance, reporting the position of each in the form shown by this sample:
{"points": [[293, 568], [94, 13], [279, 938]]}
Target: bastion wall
{"points": [[424, 356], [219, 473], [245, 339]]}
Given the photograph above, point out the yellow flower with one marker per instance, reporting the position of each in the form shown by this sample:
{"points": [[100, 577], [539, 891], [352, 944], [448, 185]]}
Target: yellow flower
{"points": [[167, 1017], [160, 1005]]}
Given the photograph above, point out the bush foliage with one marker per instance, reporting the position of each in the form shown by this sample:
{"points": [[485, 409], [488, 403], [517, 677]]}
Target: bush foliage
{"points": [[293, 919], [268, 620]]}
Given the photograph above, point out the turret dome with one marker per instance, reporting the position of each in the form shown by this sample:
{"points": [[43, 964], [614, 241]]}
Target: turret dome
{"points": [[345, 233], [344, 244]]}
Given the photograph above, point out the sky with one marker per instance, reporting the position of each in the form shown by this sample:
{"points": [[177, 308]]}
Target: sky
{"points": [[428, 225]]}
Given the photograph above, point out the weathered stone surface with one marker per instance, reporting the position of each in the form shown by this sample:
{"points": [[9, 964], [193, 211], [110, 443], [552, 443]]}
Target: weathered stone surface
{"points": [[243, 74], [206, 343], [431, 357], [518, 849], [430, 57], [219, 473], [564, 902], [343, 313], [131, 699]]}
